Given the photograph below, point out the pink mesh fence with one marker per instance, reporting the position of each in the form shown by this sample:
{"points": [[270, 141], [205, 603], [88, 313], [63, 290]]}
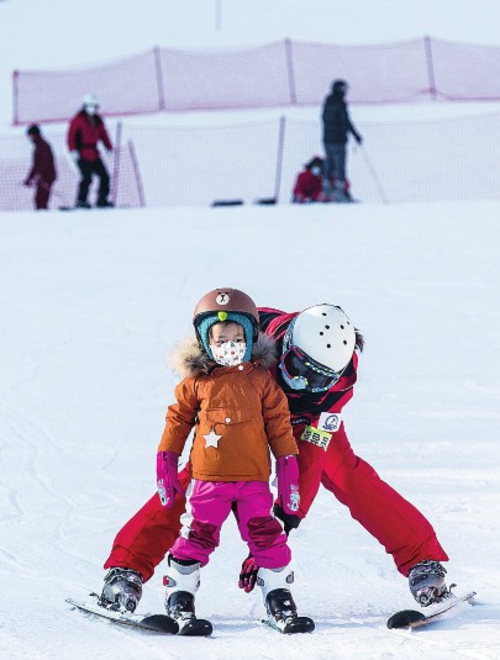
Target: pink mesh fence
{"points": [[465, 72], [219, 79], [125, 87], [452, 159], [388, 73], [277, 74], [15, 163]]}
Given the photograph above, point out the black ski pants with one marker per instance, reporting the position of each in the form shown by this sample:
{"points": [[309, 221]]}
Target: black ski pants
{"points": [[87, 169]]}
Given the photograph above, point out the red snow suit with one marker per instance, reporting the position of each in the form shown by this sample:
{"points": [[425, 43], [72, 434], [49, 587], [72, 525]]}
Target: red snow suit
{"points": [[43, 166], [325, 459], [84, 134], [308, 187]]}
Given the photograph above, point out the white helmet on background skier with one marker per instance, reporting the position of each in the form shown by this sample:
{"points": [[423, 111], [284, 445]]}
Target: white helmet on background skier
{"points": [[90, 103], [317, 347]]}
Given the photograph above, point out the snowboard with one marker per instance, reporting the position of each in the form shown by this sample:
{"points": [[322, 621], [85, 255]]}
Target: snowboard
{"points": [[160, 623], [417, 618]]}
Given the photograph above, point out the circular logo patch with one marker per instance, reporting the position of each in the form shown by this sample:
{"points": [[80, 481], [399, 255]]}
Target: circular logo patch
{"points": [[222, 299]]}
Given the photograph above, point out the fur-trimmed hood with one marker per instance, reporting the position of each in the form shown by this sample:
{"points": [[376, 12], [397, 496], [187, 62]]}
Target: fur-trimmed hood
{"points": [[188, 359]]}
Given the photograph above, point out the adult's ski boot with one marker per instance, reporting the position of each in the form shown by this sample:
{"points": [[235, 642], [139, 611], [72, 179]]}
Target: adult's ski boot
{"points": [[280, 606], [427, 582], [182, 582], [122, 590]]}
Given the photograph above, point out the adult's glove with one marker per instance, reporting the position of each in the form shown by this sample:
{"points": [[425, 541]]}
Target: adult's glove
{"points": [[167, 478], [248, 574], [287, 472], [289, 521], [75, 155]]}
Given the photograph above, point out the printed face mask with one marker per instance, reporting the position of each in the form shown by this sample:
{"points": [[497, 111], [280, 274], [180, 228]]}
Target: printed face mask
{"points": [[229, 353]]}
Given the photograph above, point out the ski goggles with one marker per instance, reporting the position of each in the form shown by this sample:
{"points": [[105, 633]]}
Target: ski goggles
{"points": [[303, 373]]}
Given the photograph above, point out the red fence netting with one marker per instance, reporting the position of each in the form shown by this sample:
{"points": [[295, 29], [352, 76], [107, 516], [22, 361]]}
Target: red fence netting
{"points": [[388, 73], [466, 72], [277, 74], [218, 80], [127, 86]]}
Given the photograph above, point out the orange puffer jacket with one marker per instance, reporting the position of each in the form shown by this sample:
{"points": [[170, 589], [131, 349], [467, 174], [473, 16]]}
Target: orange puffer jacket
{"points": [[238, 414]]}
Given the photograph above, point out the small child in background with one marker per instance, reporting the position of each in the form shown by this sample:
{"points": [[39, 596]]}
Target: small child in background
{"points": [[238, 413], [309, 184]]}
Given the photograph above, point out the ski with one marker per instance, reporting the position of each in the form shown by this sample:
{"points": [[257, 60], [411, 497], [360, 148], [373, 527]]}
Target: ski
{"points": [[93, 208], [291, 625], [160, 623], [416, 618], [193, 627]]}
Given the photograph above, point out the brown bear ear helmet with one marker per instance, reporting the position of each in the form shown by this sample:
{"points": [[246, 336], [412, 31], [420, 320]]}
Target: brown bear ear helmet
{"points": [[226, 300], [226, 304]]}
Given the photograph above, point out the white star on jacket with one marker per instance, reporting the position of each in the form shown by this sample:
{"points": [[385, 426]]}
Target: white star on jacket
{"points": [[212, 439]]}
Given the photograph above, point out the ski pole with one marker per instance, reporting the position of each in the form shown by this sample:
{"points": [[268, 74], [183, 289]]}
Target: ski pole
{"points": [[374, 174]]}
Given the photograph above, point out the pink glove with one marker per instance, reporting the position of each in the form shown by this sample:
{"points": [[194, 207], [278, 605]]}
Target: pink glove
{"points": [[287, 471], [248, 574], [167, 478]]}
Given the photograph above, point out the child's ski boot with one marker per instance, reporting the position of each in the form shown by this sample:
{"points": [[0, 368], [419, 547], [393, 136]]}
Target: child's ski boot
{"points": [[280, 606], [182, 581]]}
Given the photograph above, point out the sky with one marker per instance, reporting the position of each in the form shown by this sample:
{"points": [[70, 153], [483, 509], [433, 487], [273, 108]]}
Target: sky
{"points": [[93, 302]]}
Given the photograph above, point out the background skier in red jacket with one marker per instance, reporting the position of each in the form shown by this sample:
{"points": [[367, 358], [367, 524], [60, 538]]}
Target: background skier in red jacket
{"points": [[309, 184], [86, 130], [43, 171], [317, 370]]}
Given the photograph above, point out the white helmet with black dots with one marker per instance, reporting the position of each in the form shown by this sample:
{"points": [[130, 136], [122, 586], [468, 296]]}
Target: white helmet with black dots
{"points": [[326, 334]]}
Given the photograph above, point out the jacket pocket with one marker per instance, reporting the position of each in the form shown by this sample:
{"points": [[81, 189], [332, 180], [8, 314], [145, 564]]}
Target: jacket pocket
{"points": [[227, 416]]}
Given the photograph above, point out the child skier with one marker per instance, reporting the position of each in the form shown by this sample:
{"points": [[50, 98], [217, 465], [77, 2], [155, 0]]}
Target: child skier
{"points": [[309, 183], [238, 412]]}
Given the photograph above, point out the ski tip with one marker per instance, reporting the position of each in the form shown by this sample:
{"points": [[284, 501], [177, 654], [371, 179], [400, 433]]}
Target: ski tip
{"points": [[196, 628], [404, 619], [160, 623], [302, 624]]}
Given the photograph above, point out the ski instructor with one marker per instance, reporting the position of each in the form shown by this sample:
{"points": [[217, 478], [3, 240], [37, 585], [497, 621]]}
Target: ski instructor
{"points": [[86, 130], [318, 351]]}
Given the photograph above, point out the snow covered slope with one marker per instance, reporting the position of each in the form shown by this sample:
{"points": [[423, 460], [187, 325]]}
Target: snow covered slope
{"points": [[92, 302]]}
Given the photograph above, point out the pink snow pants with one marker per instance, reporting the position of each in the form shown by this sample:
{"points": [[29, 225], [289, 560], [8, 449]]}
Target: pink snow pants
{"points": [[208, 506]]}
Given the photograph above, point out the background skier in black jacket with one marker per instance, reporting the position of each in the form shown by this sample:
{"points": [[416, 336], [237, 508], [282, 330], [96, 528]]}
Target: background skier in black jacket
{"points": [[336, 127]]}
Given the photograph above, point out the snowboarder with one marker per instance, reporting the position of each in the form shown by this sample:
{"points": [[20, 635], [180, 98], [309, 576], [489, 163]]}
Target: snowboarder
{"points": [[86, 130], [317, 369], [309, 184], [336, 128], [239, 413], [43, 171]]}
